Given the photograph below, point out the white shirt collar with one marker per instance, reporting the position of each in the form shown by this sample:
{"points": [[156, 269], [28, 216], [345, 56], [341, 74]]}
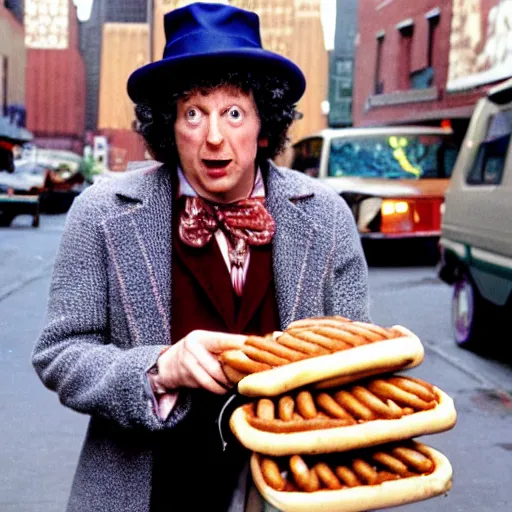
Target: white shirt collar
{"points": [[185, 188]]}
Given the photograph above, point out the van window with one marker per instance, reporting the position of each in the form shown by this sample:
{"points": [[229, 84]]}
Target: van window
{"points": [[399, 156], [307, 154], [487, 168]]}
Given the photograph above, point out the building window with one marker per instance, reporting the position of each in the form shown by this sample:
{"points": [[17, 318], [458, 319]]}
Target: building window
{"points": [[424, 78], [487, 168], [433, 23], [406, 29], [378, 87]]}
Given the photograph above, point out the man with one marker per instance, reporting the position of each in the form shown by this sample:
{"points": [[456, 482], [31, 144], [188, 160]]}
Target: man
{"points": [[162, 269]]}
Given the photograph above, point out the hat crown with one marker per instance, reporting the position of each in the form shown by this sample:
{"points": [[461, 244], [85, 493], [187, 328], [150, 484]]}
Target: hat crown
{"points": [[205, 37], [215, 21]]}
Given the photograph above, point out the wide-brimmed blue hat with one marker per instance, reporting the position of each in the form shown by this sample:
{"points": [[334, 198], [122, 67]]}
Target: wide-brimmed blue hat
{"points": [[201, 37]]}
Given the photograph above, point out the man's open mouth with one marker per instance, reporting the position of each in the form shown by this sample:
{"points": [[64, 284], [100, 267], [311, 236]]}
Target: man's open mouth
{"points": [[216, 164]]}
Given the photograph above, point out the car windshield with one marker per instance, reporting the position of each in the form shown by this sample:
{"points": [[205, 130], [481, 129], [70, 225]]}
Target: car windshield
{"points": [[393, 156]]}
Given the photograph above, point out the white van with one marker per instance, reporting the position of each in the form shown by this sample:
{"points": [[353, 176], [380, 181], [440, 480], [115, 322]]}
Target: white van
{"points": [[476, 237]]}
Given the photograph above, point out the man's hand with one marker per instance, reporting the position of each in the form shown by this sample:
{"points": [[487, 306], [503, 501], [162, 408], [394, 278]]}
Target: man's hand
{"points": [[191, 362]]}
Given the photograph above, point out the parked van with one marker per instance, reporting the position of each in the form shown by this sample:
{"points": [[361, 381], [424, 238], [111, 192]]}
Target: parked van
{"points": [[393, 178], [476, 238]]}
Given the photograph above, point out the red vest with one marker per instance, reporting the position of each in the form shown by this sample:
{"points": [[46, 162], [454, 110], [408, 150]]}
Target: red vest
{"points": [[189, 466], [203, 297]]}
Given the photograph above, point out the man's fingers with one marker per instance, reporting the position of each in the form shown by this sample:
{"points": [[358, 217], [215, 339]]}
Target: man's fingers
{"points": [[217, 342], [202, 378], [208, 362]]}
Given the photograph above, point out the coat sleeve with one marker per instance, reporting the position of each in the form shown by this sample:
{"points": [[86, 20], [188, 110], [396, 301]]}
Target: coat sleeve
{"points": [[74, 355], [347, 290]]}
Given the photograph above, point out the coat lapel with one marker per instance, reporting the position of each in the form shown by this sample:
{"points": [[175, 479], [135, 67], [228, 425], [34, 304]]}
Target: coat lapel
{"points": [[139, 249], [299, 265]]}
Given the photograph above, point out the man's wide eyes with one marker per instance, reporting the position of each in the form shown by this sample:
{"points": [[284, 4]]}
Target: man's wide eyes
{"points": [[235, 114], [193, 115]]}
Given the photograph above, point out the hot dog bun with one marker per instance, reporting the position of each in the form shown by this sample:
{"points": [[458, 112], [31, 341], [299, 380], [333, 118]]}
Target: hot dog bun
{"points": [[365, 414], [380, 477], [325, 351]]}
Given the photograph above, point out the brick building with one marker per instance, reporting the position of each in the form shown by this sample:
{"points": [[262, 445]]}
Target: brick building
{"points": [[427, 61], [55, 75], [12, 82]]}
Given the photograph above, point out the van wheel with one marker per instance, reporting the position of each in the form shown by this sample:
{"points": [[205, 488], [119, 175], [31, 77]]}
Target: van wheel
{"points": [[468, 313]]}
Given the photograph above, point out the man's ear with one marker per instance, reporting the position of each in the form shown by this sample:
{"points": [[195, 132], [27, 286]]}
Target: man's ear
{"points": [[263, 142]]}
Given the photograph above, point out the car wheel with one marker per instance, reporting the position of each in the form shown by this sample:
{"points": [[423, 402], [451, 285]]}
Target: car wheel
{"points": [[5, 220], [469, 313]]}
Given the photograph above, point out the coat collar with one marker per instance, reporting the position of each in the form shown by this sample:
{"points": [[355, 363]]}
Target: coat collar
{"points": [[141, 244]]}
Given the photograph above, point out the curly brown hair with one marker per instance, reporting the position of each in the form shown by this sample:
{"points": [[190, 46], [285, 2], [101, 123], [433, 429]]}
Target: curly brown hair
{"points": [[156, 117]]}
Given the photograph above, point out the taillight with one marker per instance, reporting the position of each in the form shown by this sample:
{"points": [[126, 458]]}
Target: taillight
{"points": [[400, 216], [396, 216]]}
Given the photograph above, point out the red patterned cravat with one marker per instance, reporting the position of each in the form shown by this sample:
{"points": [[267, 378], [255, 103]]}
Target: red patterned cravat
{"points": [[244, 223]]}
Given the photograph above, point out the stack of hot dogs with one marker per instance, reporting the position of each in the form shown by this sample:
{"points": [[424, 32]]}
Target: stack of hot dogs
{"points": [[332, 423]]}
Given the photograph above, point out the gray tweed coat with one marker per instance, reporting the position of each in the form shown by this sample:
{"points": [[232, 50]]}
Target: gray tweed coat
{"points": [[109, 312]]}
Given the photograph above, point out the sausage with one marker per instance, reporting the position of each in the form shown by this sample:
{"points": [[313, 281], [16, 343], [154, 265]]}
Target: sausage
{"points": [[239, 361], [386, 390], [286, 407], [304, 478], [341, 335], [332, 345], [392, 463], [306, 405], [364, 471], [326, 476], [263, 357], [272, 475], [301, 346], [354, 406], [413, 459], [362, 331], [416, 387], [333, 408], [275, 348], [374, 403], [384, 333], [265, 409], [347, 476]]}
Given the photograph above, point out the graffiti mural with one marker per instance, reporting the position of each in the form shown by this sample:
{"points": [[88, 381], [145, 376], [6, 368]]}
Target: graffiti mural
{"points": [[480, 43]]}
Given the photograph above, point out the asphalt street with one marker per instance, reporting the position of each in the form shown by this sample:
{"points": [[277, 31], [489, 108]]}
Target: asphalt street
{"points": [[40, 439]]}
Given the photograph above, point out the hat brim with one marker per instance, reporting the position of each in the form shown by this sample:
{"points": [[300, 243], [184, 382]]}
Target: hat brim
{"points": [[156, 79]]}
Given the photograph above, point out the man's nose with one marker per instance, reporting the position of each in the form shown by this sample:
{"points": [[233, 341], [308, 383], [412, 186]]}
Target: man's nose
{"points": [[214, 136]]}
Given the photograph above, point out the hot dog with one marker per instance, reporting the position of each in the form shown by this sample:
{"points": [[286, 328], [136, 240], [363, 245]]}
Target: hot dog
{"points": [[366, 413], [369, 479], [326, 352]]}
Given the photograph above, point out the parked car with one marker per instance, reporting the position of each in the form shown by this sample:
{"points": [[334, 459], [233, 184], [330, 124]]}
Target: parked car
{"points": [[476, 241], [20, 195], [56, 181], [393, 178]]}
